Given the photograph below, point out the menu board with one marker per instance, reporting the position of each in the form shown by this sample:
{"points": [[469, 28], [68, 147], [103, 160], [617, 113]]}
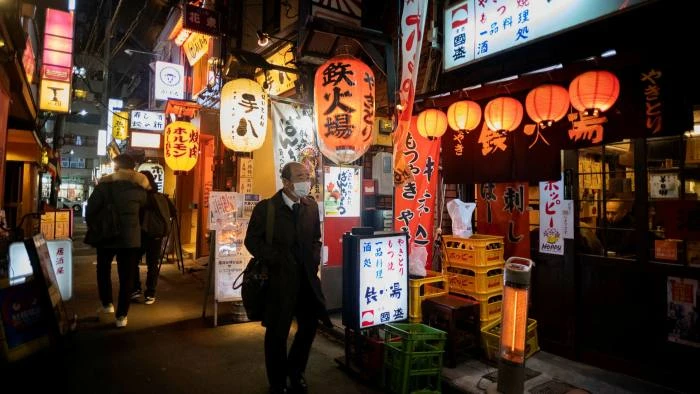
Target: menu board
{"points": [[229, 216], [383, 279], [682, 302]]}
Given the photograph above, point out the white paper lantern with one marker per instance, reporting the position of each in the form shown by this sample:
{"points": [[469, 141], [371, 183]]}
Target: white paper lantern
{"points": [[243, 120]]}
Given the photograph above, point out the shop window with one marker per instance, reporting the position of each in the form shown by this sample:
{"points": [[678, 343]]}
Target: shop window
{"points": [[673, 173], [606, 200]]}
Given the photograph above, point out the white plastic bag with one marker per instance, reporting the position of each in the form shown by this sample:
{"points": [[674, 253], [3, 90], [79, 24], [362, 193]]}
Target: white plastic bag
{"points": [[419, 257], [461, 214]]}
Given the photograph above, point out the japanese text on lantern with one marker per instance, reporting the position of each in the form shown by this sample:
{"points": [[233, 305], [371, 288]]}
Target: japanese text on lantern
{"points": [[383, 278], [179, 141], [338, 124]]}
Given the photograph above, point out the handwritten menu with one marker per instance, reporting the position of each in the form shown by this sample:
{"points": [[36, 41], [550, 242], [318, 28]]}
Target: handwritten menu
{"points": [[383, 279]]}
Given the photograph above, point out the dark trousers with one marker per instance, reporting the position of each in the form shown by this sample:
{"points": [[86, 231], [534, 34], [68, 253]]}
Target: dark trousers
{"points": [[279, 365], [127, 259], [150, 247]]}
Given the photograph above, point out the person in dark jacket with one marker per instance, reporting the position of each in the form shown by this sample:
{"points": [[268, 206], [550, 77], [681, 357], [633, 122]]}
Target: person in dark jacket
{"points": [[126, 189], [151, 247], [294, 288]]}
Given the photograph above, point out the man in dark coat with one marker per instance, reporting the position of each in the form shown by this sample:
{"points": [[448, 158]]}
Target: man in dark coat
{"points": [[126, 189], [294, 287]]}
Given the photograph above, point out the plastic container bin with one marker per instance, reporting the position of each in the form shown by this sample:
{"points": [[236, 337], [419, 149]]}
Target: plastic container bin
{"points": [[413, 358], [475, 251], [490, 304], [481, 280], [433, 285], [491, 338]]}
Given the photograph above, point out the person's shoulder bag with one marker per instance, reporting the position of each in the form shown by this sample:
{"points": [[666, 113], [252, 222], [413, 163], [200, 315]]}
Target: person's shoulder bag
{"points": [[255, 276], [105, 226]]}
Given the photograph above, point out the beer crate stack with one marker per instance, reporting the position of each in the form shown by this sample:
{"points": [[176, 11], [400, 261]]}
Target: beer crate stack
{"points": [[474, 268]]}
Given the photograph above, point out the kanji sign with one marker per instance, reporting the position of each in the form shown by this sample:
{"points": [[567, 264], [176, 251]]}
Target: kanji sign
{"points": [[201, 20], [148, 120], [551, 221]]}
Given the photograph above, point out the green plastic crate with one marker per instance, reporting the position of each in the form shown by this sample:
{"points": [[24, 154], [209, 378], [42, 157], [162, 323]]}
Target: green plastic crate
{"points": [[414, 335], [413, 358]]}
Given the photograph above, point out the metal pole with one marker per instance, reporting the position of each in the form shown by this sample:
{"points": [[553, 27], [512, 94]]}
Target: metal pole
{"points": [[105, 65]]}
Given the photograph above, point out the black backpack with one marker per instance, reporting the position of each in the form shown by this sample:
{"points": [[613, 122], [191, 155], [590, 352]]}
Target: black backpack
{"points": [[156, 216]]}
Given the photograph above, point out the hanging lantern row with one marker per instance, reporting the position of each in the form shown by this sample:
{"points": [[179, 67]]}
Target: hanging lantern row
{"points": [[344, 108], [243, 115], [590, 93]]}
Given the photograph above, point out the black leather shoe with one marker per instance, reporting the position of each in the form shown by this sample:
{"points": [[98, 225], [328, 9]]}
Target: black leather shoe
{"points": [[298, 385]]}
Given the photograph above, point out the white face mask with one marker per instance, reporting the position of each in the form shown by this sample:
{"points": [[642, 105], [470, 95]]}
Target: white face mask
{"points": [[302, 189]]}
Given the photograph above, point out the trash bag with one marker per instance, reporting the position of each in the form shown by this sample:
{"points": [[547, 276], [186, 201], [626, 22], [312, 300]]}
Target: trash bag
{"points": [[461, 214], [419, 257]]}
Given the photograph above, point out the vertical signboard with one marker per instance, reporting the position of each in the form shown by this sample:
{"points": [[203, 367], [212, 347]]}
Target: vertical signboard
{"points": [[551, 221], [56, 70], [380, 263]]}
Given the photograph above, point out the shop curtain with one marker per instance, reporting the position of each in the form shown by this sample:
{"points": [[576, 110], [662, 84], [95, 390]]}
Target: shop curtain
{"points": [[295, 140], [414, 201], [502, 210]]}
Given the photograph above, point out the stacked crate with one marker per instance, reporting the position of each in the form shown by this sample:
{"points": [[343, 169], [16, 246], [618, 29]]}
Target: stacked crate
{"points": [[413, 358], [474, 267]]}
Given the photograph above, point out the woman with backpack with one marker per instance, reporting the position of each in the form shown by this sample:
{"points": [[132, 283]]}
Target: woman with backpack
{"points": [[155, 226]]}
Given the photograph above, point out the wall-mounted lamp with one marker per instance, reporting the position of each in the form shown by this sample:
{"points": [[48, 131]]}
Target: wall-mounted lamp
{"points": [[264, 38], [131, 52]]}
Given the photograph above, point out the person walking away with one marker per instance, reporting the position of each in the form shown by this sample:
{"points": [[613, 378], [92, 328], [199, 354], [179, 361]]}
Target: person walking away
{"points": [[294, 289], [150, 246], [126, 190]]}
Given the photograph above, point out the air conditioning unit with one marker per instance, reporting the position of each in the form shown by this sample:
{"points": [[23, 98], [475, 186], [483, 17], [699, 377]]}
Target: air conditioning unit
{"points": [[383, 172]]}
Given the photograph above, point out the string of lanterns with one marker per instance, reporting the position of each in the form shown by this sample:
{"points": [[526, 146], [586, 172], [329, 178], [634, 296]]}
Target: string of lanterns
{"points": [[590, 93]]}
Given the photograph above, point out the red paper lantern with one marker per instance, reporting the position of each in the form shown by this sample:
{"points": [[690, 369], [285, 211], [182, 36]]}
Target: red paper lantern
{"points": [[594, 91], [546, 104], [503, 114], [344, 108], [181, 146], [431, 123], [464, 115]]}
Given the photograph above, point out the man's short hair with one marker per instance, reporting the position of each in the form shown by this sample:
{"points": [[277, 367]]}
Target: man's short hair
{"points": [[287, 170], [125, 161]]}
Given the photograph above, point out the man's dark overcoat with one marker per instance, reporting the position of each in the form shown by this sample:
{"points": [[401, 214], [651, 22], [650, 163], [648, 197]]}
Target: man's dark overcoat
{"points": [[285, 276]]}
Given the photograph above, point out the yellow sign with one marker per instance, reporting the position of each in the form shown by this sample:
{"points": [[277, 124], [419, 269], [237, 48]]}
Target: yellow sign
{"points": [[54, 96], [120, 125], [279, 81], [196, 46]]}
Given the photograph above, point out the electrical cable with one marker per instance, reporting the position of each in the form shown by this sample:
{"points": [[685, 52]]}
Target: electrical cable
{"points": [[130, 29], [93, 29]]}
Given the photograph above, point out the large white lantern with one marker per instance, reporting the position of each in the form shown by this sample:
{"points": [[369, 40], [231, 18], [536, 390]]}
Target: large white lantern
{"points": [[243, 115]]}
